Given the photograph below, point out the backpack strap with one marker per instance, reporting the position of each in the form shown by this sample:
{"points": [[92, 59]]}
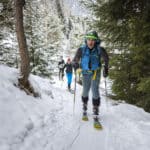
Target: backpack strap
{"points": [[99, 50], [83, 49]]}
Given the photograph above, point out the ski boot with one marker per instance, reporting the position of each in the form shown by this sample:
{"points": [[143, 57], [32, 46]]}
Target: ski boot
{"points": [[97, 124], [85, 100], [85, 117], [69, 87], [96, 103]]}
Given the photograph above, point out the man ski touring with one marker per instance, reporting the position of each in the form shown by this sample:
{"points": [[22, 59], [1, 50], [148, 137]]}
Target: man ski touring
{"points": [[61, 65], [89, 55], [69, 70]]}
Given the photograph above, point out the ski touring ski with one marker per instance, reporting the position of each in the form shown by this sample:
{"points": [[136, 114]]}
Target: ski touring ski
{"points": [[97, 125], [85, 117]]}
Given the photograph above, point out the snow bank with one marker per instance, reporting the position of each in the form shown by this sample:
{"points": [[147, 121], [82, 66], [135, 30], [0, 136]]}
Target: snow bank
{"points": [[24, 119]]}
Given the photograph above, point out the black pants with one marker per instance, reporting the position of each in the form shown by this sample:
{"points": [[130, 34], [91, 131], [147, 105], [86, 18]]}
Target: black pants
{"points": [[61, 74]]}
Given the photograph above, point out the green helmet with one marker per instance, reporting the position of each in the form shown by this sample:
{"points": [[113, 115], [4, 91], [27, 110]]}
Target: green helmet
{"points": [[92, 35]]}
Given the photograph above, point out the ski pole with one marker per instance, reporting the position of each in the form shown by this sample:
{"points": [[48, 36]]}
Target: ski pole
{"points": [[105, 81], [105, 87], [74, 93]]}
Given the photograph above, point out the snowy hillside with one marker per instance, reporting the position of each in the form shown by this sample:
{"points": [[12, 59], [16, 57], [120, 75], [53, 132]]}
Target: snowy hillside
{"points": [[48, 123]]}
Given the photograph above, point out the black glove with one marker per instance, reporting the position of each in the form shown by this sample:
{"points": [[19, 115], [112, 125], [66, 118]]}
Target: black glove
{"points": [[105, 71], [75, 66]]}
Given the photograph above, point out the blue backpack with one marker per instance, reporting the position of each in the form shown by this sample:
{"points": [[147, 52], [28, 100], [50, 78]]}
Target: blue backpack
{"points": [[90, 57]]}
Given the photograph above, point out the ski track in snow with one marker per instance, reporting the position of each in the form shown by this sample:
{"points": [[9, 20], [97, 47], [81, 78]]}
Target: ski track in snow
{"points": [[48, 123], [44, 134]]}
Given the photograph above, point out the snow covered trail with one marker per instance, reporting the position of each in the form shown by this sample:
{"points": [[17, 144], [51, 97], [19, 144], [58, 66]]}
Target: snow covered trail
{"points": [[123, 126], [48, 123]]}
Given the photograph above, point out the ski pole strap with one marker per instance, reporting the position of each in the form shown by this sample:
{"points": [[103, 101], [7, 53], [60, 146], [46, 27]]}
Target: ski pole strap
{"points": [[78, 71], [94, 74]]}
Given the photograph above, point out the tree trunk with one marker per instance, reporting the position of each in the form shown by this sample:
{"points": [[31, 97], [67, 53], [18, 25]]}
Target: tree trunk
{"points": [[25, 61]]}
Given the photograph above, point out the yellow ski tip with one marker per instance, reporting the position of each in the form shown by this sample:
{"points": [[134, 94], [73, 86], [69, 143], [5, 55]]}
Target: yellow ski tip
{"points": [[98, 126], [85, 118]]}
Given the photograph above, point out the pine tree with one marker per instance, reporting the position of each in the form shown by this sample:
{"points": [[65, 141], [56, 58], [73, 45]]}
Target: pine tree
{"points": [[8, 42], [125, 28]]}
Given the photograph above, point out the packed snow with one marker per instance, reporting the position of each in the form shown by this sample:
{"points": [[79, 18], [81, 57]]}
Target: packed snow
{"points": [[49, 123]]}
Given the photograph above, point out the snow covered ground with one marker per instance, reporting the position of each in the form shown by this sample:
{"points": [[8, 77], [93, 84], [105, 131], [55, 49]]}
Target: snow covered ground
{"points": [[48, 123]]}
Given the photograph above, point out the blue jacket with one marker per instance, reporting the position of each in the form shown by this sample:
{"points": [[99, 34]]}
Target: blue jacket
{"points": [[91, 59]]}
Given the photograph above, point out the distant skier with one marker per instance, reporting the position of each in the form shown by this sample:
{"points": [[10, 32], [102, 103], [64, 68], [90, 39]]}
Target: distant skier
{"points": [[89, 55], [61, 65], [69, 70]]}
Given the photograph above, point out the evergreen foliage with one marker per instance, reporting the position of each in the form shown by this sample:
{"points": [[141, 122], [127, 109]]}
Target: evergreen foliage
{"points": [[125, 27]]}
